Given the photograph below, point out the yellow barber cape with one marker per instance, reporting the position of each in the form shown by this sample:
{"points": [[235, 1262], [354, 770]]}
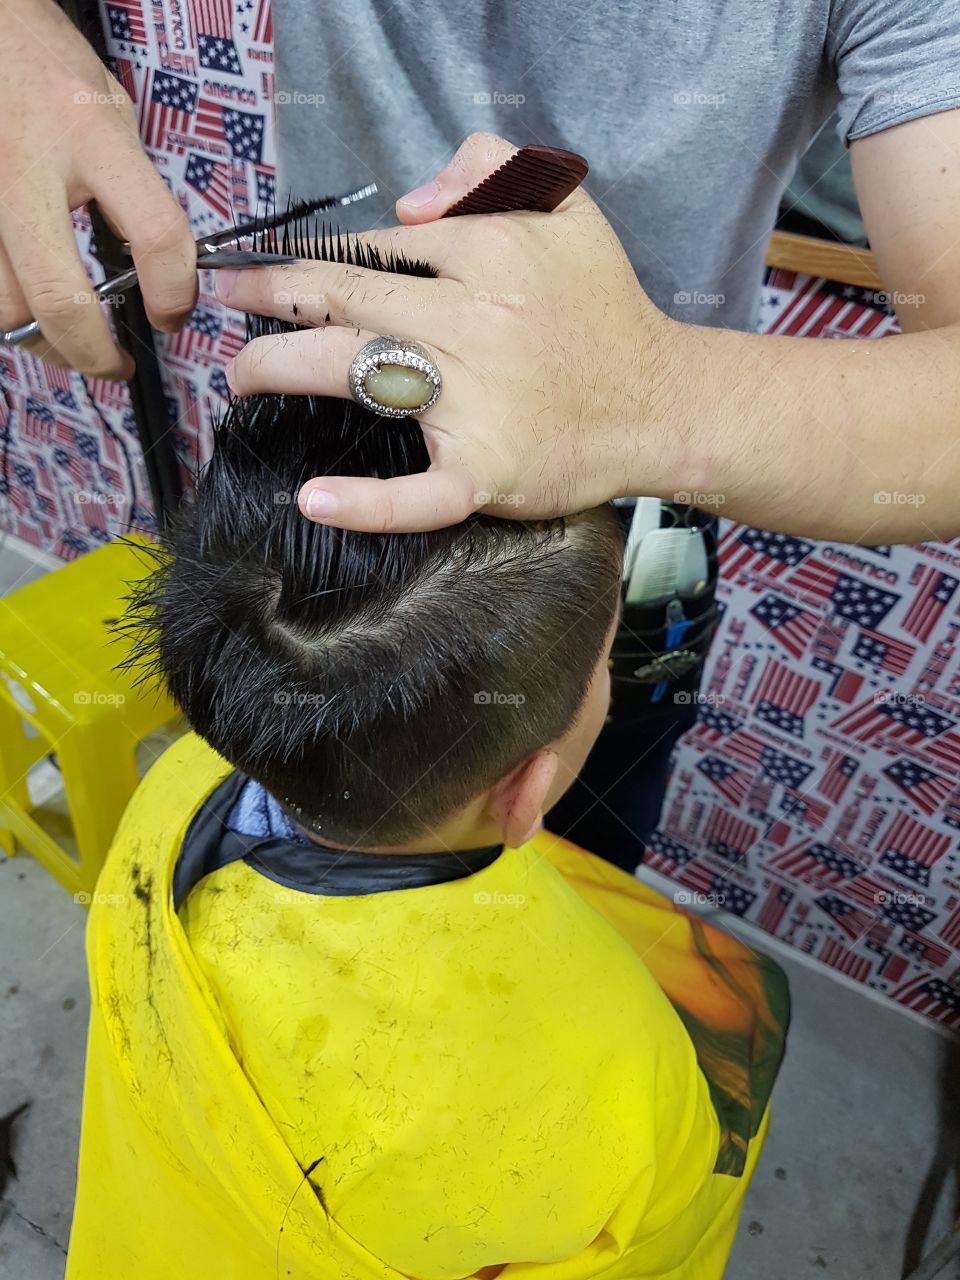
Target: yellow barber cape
{"points": [[542, 1069]]}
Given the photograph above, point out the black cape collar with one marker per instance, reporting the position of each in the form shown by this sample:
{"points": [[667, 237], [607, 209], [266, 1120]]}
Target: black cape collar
{"points": [[298, 863]]}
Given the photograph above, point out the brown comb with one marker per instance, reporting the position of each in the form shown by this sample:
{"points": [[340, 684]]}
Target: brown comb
{"points": [[536, 180]]}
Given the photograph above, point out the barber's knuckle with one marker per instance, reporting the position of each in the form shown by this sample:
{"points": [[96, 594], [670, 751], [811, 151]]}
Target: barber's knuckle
{"points": [[96, 366], [482, 140], [55, 299], [96, 360], [499, 234], [386, 514], [162, 230], [333, 360]]}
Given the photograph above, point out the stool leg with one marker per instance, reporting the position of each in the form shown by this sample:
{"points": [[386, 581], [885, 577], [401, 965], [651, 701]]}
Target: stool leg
{"points": [[16, 757], [99, 777]]}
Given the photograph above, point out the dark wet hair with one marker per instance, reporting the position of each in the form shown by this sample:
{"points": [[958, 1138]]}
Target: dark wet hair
{"points": [[373, 683]]}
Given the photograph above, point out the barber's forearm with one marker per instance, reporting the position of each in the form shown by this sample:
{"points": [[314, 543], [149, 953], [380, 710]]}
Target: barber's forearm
{"points": [[855, 441]]}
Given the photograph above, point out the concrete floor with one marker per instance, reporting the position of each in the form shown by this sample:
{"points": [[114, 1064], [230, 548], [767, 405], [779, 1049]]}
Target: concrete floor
{"points": [[862, 1158]]}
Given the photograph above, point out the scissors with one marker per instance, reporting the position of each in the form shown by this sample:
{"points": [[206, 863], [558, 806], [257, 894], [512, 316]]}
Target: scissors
{"points": [[214, 251]]}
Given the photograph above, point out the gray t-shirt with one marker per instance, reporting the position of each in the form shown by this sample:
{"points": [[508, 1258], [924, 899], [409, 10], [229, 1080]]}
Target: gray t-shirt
{"points": [[692, 113]]}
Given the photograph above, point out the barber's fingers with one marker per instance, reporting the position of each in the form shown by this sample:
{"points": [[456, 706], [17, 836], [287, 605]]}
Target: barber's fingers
{"points": [[315, 362], [136, 202], [38, 236], [476, 158], [434, 499], [334, 293]]}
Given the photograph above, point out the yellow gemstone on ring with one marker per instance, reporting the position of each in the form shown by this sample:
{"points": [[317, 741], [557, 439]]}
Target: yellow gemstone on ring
{"points": [[397, 386]]}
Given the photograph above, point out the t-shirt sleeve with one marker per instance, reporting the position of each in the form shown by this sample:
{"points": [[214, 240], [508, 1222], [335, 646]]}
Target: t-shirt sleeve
{"points": [[895, 60]]}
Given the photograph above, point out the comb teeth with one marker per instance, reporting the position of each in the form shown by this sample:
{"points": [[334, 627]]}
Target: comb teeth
{"points": [[536, 179]]}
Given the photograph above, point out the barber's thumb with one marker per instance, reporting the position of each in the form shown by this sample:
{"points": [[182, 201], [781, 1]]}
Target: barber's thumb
{"points": [[478, 156]]}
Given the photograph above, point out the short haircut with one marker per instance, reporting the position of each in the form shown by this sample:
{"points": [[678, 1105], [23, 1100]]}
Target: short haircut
{"points": [[373, 683]]}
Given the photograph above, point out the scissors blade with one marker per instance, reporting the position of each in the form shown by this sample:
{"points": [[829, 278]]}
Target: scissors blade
{"points": [[241, 258], [212, 252], [210, 260]]}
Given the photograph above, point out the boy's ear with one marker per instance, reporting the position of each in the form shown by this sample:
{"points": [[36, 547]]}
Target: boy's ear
{"points": [[517, 802]]}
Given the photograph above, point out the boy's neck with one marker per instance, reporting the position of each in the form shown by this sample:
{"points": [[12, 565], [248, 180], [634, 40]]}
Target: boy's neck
{"points": [[459, 835]]}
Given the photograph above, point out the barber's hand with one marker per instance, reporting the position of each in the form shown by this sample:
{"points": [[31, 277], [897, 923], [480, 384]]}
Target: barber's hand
{"points": [[67, 132], [552, 357]]}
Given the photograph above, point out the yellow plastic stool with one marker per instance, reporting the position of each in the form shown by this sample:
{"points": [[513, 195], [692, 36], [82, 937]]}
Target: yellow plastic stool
{"points": [[57, 650]]}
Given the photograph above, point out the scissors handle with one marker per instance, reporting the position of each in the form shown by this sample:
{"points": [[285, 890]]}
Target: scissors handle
{"points": [[217, 250], [24, 332]]}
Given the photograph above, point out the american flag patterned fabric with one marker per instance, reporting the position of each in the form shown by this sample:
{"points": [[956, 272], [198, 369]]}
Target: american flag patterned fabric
{"points": [[200, 75], [819, 792]]}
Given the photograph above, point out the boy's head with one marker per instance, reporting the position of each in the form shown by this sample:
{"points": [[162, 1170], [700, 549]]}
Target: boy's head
{"points": [[423, 690]]}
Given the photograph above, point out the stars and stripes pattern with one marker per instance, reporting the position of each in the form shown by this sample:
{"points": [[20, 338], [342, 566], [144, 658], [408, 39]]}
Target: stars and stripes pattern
{"points": [[834, 731], [126, 23], [728, 836], [783, 697], [902, 719], [817, 863], [792, 627], [839, 957], [926, 789], [839, 768], [883, 652], [212, 22], [212, 180], [168, 110], [774, 907], [911, 848], [745, 550], [732, 783], [933, 591]]}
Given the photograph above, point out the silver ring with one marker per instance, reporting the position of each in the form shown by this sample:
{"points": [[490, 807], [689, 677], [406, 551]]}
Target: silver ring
{"points": [[371, 358]]}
